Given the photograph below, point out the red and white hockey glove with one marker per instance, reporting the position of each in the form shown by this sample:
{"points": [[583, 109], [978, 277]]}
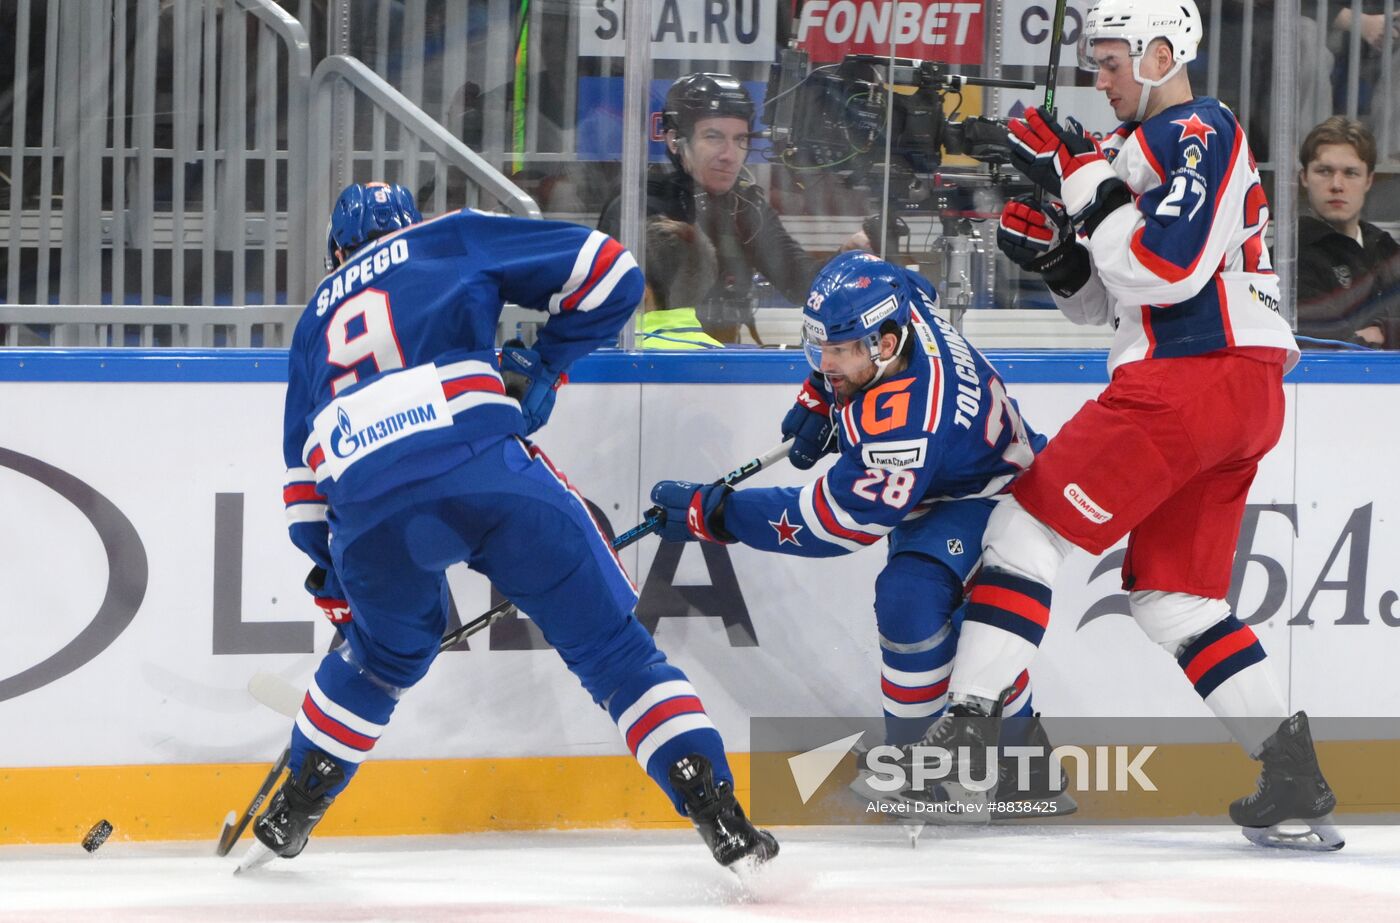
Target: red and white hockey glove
{"points": [[1037, 236], [1032, 233], [808, 425], [1050, 154], [332, 607]]}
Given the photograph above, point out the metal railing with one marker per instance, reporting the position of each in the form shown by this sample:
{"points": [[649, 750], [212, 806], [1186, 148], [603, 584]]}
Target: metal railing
{"points": [[155, 163], [178, 153], [333, 169]]}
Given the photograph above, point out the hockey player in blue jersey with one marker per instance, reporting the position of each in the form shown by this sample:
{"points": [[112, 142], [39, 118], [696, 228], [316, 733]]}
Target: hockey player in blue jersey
{"points": [[927, 436], [406, 449]]}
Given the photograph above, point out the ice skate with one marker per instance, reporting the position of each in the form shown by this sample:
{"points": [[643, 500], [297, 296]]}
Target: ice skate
{"points": [[1292, 806], [716, 813], [965, 784], [1043, 796], [293, 812]]}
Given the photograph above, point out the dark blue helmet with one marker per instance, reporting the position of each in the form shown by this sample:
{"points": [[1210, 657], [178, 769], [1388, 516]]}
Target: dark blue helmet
{"points": [[852, 297], [363, 212]]}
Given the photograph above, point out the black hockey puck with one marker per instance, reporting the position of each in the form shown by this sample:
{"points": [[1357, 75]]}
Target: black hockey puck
{"points": [[97, 835]]}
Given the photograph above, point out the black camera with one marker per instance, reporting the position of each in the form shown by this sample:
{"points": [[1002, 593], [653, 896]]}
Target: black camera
{"points": [[841, 116]]}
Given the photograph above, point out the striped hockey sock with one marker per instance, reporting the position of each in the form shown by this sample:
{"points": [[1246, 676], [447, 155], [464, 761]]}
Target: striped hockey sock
{"points": [[1004, 622], [662, 719], [342, 715], [1229, 670]]}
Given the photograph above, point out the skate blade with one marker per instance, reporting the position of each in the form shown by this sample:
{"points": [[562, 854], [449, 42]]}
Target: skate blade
{"points": [[1319, 835], [255, 858]]}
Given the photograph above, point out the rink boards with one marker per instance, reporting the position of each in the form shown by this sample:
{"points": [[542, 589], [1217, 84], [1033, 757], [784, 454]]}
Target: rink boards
{"points": [[147, 575]]}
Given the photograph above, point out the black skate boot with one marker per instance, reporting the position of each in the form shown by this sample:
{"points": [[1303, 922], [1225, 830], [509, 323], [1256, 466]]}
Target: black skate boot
{"points": [[966, 783], [293, 812], [1291, 793], [718, 816], [1042, 793]]}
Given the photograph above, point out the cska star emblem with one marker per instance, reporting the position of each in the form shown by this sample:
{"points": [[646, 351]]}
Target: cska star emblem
{"points": [[863, 282], [1195, 128], [787, 532]]}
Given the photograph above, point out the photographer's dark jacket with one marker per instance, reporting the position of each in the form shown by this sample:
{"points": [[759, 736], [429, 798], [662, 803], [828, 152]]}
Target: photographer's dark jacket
{"points": [[1344, 286], [748, 237]]}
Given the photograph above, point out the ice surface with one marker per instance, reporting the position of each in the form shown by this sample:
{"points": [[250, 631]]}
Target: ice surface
{"points": [[866, 873]]}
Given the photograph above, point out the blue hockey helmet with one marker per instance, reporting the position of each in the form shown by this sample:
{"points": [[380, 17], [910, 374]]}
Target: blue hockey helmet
{"points": [[854, 297], [363, 212]]}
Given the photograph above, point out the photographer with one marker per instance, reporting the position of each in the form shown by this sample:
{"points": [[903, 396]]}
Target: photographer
{"points": [[708, 119]]}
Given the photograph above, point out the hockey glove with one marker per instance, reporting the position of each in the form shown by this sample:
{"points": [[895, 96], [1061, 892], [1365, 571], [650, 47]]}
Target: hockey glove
{"points": [[808, 425], [332, 606], [692, 511], [529, 381], [1037, 236], [1050, 155]]}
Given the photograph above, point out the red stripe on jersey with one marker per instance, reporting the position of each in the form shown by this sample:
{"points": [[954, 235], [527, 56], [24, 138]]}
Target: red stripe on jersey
{"points": [[658, 714], [1224, 311], [1009, 600], [828, 518], [1151, 158], [316, 459], [912, 695], [607, 255], [935, 395], [1165, 269], [1232, 643], [301, 493], [455, 386], [328, 725], [1254, 253]]}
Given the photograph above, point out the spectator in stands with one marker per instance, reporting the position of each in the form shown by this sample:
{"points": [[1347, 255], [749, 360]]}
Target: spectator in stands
{"points": [[708, 119], [680, 268], [1348, 269]]}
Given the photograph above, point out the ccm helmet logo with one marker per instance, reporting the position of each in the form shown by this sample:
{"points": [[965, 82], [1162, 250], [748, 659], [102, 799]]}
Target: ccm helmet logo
{"points": [[881, 311]]}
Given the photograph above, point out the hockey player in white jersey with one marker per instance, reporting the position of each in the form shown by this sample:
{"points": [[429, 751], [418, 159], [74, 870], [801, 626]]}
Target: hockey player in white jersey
{"points": [[1161, 233]]}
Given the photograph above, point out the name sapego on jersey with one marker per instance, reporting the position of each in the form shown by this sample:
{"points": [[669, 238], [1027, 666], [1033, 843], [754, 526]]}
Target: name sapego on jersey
{"points": [[358, 273]]}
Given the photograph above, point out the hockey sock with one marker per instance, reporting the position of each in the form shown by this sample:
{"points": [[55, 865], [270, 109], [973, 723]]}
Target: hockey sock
{"points": [[344, 712], [914, 599], [1003, 624], [1228, 666], [662, 719]]}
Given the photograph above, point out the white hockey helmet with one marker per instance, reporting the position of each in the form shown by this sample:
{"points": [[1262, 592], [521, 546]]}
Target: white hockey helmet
{"points": [[1138, 22]]}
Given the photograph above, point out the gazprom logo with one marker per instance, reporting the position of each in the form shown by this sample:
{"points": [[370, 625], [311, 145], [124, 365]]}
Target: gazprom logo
{"points": [[346, 440], [343, 441]]}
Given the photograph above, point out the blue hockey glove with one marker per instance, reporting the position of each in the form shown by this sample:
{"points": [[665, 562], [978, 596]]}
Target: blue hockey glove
{"points": [[529, 381], [692, 511], [330, 598], [808, 425]]}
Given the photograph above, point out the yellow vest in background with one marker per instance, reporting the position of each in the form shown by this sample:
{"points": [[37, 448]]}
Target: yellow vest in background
{"points": [[674, 328]]}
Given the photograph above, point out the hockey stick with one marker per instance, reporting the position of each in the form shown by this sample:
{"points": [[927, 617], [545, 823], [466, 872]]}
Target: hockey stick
{"points": [[282, 697], [234, 826], [651, 521], [1052, 75]]}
